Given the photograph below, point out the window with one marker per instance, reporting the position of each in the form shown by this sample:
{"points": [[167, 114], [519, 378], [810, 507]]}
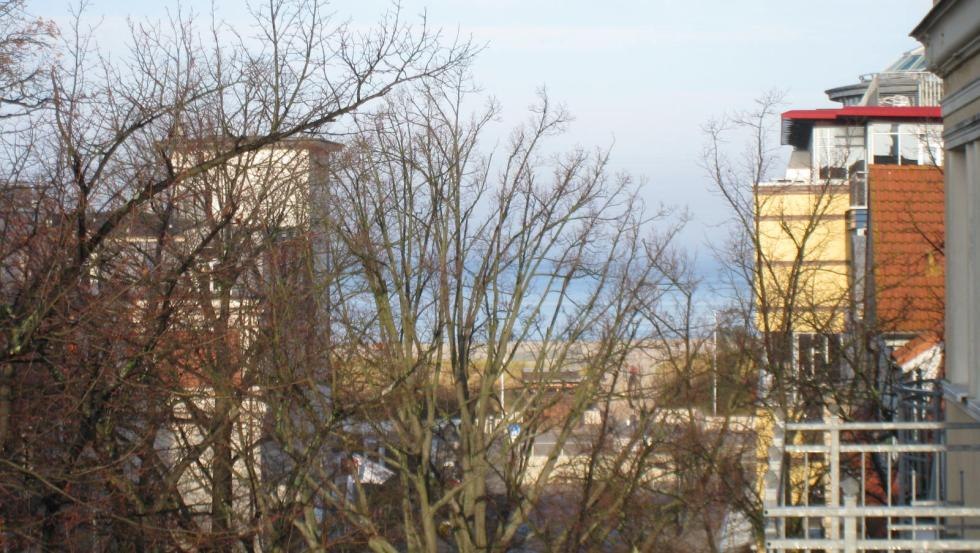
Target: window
{"points": [[905, 144], [884, 146], [210, 277], [818, 354], [838, 151], [859, 191]]}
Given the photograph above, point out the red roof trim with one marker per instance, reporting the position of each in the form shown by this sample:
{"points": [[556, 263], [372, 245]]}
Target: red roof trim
{"points": [[866, 112]]}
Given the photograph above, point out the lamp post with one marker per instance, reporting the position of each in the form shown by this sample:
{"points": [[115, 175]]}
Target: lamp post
{"points": [[503, 409], [714, 369]]}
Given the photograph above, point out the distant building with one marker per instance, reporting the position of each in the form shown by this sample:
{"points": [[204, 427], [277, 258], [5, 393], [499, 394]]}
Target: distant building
{"points": [[251, 222], [909, 478], [820, 266]]}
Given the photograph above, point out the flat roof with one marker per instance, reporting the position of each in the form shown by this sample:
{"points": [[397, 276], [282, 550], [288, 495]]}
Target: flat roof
{"points": [[865, 112], [797, 123]]}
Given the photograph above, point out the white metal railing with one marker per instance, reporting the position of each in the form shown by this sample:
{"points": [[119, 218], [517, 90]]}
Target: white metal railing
{"points": [[857, 486], [930, 89], [929, 86]]}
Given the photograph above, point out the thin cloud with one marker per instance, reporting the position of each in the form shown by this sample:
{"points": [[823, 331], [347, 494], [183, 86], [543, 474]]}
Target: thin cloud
{"points": [[581, 37]]}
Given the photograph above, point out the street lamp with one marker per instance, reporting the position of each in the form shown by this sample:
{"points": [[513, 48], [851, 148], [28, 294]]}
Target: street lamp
{"points": [[714, 369]]}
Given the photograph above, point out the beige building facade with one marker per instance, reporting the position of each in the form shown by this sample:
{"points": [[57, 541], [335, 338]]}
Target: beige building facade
{"points": [[951, 35]]}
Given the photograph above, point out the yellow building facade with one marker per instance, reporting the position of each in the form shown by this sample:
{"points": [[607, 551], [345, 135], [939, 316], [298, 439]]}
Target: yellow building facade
{"points": [[802, 257]]}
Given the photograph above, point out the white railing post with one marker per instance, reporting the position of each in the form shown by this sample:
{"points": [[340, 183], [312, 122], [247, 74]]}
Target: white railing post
{"points": [[909, 526], [850, 525], [772, 482], [833, 494], [770, 498]]}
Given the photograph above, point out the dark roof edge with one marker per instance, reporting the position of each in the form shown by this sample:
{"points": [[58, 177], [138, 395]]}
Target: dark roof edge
{"points": [[297, 142]]}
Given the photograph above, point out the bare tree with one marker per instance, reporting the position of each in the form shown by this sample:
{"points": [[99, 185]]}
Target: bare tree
{"points": [[774, 281], [25, 47], [777, 290], [484, 308], [120, 265], [220, 332]]}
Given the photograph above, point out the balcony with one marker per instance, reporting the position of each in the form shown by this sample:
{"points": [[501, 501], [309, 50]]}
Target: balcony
{"points": [[858, 486], [923, 88], [909, 88]]}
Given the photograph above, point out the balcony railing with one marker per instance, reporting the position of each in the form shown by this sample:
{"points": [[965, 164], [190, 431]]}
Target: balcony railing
{"points": [[929, 87], [858, 486]]}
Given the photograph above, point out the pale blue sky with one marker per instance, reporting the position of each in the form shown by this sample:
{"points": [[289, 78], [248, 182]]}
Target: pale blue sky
{"points": [[646, 74]]}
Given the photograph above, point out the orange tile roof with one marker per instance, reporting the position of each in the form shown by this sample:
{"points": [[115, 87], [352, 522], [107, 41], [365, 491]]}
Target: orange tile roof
{"points": [[922, 343], [917, 346], [907, 227]]}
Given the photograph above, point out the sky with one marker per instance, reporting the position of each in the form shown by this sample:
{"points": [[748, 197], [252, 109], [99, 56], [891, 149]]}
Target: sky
{"points": [[640, 75]]}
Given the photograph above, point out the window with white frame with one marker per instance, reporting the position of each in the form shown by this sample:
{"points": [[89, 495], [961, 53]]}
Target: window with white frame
{"points": [[838, 151], [905, 144]]}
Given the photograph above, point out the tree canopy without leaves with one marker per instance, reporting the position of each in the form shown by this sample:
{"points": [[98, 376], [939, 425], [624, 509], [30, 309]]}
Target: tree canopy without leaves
{"points": [[221, 331]]}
